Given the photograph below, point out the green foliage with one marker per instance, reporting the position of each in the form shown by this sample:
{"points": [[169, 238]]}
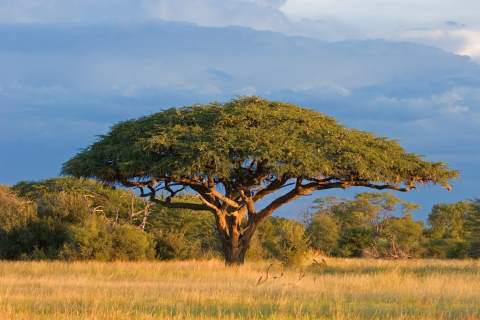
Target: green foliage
{"points": [[447, 235], [130, 243], [355, 241], [472, 227], [14, 211], [90, 240], [211, 139], [96, 239], [323, 233], [447, 220], [77, 219], [401, 237], [72, 200], [184, 234], [284, 240], [372, 224], [41, 238]]}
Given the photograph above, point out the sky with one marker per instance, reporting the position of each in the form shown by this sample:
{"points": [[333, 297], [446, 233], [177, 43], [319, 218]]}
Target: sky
{"points": [[407, 69]]}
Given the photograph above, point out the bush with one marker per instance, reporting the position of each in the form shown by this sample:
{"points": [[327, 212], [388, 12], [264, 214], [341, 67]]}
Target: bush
{"points": [[355, 241], [403, 237], [77, 219], [284, 240], [97, 239], [184, 234], [15, 212], [323, 233]]}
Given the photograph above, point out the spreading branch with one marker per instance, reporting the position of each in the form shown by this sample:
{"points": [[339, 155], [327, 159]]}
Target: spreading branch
{"points": [[306, 189]]}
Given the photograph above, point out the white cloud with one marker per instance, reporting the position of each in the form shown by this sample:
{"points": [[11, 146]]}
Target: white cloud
{"points": [[460, 40], [471, 46], [449, 24]]}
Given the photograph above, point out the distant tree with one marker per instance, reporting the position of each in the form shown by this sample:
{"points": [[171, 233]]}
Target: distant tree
{"points": [[472, 227], [401, 237], [447, 233], [374, 224], [233, 155], [324, 232], [284, 240]]}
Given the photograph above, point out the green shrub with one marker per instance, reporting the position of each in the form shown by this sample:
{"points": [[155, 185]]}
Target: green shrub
{"points": [[284, 240], [323, 233], [184, 234], [131, 243]]}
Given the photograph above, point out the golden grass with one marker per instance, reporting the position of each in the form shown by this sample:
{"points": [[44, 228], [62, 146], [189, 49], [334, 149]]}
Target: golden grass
{"points": [[344, 289]]}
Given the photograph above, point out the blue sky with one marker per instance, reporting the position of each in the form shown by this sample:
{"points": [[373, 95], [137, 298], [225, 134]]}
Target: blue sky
{"points": [[403, 69]]}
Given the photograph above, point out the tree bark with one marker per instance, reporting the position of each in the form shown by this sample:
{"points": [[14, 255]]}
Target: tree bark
{"points": [[234, 253], [235, 241]]}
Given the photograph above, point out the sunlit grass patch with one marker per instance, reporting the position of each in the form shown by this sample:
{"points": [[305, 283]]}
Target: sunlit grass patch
{"points": [[340, 289]]}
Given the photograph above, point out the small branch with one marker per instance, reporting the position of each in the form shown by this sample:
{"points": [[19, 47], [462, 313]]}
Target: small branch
{"points": [[249, 203], [215, 194], [208, 204]]}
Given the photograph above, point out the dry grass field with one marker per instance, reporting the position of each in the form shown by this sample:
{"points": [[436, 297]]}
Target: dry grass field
{"points": [[341, 289]]}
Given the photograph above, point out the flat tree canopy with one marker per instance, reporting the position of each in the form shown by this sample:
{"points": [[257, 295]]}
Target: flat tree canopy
{"points": [[234, 154]]}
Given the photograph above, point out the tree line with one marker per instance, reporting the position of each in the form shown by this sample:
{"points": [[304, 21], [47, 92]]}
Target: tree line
{"points": [[80, 219]]}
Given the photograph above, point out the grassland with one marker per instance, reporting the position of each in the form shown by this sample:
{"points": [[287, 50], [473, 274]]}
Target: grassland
{"points": [[341, 289]]}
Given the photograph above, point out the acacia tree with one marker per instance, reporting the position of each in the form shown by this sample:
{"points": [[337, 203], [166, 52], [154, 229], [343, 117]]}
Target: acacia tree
{"points": [[235, 154]]}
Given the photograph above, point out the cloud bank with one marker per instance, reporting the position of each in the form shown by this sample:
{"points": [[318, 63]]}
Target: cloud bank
{"points": [[445, 24]]}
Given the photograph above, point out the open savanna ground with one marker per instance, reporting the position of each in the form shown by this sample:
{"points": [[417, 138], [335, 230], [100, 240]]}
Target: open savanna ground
{"points": [[337, 289]]}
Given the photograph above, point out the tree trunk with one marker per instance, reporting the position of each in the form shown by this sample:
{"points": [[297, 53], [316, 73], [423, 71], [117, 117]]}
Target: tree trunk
{"points": [[235, 243], [234, 253]]}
